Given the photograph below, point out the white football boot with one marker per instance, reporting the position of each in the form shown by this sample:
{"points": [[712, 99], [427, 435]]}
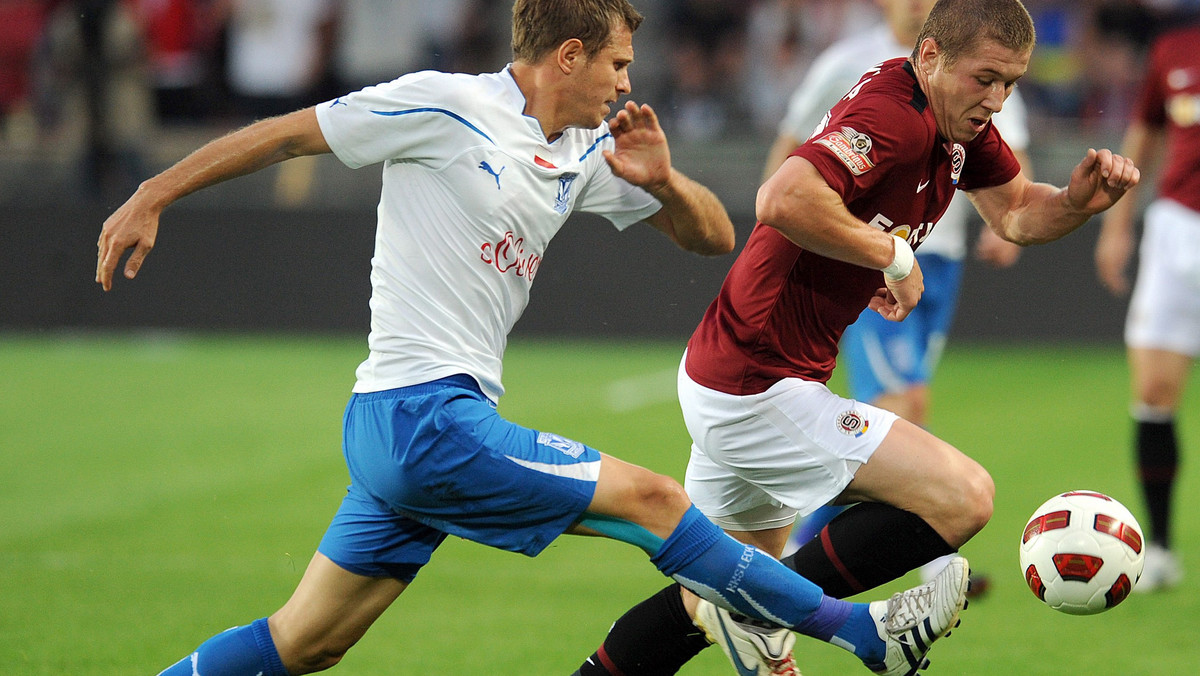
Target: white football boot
{"points": [[752, 649], [1162, 570], [912, 620]]}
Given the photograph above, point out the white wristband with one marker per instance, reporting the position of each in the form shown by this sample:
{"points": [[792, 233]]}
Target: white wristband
{"points": [[902, 261]]}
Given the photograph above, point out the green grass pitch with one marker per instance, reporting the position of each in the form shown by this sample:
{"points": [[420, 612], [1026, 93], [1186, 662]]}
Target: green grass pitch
{"points": [[158, 489]]}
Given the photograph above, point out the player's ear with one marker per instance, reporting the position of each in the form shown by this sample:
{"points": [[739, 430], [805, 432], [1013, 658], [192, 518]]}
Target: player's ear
{"points": [[928, 54], [570, 55]]}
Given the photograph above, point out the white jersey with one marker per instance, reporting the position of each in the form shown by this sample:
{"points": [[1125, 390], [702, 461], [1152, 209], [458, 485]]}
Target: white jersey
{"points": [[839, 68], [472, 193]]}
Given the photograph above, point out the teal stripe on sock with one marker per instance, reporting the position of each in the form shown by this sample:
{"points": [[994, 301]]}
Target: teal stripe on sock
{"points": [[623, 530]]}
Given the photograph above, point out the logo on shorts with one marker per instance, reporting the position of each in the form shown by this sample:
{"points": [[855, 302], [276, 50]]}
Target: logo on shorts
{"points": [[561, 444], [852, 424]]}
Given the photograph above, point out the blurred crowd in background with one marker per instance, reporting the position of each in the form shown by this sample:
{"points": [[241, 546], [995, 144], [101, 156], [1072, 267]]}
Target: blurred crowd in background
{"points": [[98, 79]]}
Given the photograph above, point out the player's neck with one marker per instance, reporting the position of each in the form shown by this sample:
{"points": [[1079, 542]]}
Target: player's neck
{"points": [[541, 97]]}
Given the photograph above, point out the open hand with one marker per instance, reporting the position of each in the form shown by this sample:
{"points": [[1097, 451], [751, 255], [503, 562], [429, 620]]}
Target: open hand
{"points": [[641, 156]]}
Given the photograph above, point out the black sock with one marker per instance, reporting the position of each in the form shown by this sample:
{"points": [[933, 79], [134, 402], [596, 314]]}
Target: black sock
{"points": [[865, 546], [1158, 463], [654, 638]]}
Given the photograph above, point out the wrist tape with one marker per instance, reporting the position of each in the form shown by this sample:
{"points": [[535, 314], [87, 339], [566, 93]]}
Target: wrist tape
{"points": [[902, 261]]}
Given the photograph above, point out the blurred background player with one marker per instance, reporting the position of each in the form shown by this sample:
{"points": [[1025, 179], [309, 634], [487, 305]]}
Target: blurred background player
{"points": [[1162, 329], [278, 52], [889, 363]]}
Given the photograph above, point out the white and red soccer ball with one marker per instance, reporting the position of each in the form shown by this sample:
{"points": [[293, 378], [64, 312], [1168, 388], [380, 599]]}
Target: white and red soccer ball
{"points": [[1082, 552]]}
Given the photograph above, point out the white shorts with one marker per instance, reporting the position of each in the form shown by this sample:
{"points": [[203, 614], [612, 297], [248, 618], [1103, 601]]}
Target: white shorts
{"points": [[1164, 312], [759, 460]]}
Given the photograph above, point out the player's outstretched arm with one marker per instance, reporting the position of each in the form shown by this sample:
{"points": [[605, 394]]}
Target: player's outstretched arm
{"points": [[134, 226], [1027, 213], [691, 216]]}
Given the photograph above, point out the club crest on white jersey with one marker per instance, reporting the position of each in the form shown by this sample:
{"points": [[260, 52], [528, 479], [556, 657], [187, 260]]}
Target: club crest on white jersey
{"points": [[562, 201]]}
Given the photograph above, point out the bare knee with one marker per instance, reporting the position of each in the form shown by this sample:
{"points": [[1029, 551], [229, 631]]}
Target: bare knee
{"points": [[971, 508], [330, 610], [653, 501], [916, 471], [305, 654], [1158, 377], [960, 504], [302, 648], [964, 499], [312, 659], [1159, 395], [658, 500]]}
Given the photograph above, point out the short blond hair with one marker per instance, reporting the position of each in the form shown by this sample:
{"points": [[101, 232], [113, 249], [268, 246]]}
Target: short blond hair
{"points": [[959, 26]]}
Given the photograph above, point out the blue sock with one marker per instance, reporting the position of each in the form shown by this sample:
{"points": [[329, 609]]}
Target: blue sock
{"points": [[241, 651], [744, 579], [813, 523], [859, 636]]}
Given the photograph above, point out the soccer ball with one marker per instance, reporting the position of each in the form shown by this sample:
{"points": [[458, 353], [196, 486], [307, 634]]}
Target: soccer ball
{"points": [[1081, 552]]}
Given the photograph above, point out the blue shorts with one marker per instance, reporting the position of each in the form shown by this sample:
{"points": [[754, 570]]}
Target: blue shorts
{"points": [[884, 357], [436, 459]]}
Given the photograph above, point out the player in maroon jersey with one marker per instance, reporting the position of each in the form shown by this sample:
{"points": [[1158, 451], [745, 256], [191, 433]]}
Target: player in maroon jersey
{"points": [[837, 226], [1162, 329]]}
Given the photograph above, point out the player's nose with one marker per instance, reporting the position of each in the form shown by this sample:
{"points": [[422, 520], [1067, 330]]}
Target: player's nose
{"points": [[995, 98]]}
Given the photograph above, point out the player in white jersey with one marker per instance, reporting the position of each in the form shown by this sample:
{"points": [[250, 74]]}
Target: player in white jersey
{"points": [[479, 172]]}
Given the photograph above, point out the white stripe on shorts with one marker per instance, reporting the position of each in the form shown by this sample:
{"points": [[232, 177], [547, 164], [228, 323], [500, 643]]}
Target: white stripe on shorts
{"points": [[584, 471]]}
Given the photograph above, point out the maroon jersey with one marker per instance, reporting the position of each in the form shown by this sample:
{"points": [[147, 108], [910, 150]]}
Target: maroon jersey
{"points": [[782, 309], [1170, 99]]}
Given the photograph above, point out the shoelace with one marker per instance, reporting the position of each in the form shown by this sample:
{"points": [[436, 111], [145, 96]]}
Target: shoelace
{"points": [[906, 608], [786, 667]]}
